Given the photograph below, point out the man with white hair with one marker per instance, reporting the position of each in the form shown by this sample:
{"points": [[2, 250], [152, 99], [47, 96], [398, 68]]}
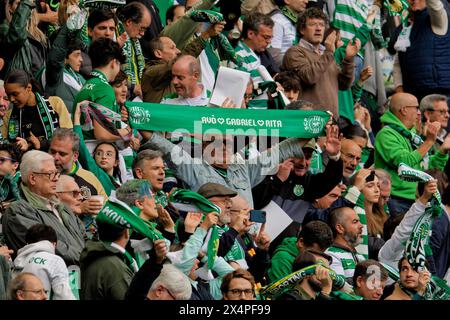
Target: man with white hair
{"points": [[171, 284], [38, 204]]}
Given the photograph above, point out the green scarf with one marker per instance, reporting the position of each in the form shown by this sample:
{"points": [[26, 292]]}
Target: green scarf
{"points": [[134, 66], [277, 288], [188, 200], [417, 246], [284, 123], [288, 13], [104, 4], [49, 119], [415, 140], [118, 213], [397, 8]]}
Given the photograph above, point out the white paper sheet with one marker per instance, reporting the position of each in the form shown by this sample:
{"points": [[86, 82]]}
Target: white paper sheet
{"points": [[276, 220], [231, 84]]}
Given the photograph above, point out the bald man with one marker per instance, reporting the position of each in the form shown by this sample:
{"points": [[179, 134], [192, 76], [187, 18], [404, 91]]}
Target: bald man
{"points": [[398, 143], [350, 156]]}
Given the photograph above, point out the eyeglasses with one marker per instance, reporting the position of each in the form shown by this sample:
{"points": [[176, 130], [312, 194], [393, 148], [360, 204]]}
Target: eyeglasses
{"points": [[316, 24], [352, 157], [170, 294], [442, 112], [108, 154], [3, 159], [416, 107], [50, 175], [75, 193], [238, 292], [41, 291]]}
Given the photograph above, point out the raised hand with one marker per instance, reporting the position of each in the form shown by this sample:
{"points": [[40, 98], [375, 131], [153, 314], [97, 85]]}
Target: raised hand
{"points": [[333, 142], [284, 169], [353, 48], [330, 42], [192, 220]]}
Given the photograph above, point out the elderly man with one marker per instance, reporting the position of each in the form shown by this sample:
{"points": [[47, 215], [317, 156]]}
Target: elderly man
{"points": [[26, 286], [350, 156], [434, 107], [64, 148], [135, 19], [398, 143], [40, 205]]}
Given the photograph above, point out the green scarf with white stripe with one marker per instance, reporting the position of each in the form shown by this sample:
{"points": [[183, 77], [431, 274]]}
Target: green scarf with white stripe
{"points": [[417, 246]]}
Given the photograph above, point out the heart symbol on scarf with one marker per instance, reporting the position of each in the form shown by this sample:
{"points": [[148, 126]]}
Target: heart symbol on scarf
{"points": [[260, 123], [220, 120]]}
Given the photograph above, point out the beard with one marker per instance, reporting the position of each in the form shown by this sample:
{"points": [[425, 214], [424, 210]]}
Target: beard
{"points": [[353, 239]]}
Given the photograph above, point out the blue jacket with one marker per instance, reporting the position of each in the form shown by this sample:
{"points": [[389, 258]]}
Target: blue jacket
{"points": [[426, 63], [440, 245]]}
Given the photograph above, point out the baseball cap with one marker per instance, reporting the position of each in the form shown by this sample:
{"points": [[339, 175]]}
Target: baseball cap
{"points": [[212, 189]]}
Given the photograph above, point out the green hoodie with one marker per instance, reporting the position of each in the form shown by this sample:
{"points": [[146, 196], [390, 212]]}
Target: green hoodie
{"points": [[391, 148], [283, 259]]}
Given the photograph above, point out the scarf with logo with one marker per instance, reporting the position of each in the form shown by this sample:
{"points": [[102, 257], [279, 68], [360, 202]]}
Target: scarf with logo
{"points": [[134, 66], [48, 117]]}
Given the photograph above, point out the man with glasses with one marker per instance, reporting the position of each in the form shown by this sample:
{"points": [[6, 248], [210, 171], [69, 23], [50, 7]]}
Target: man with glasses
{"points": [[434, 107], [257, 33], [64, 147], [135, 19], [26, 286], [314, 63], [39, 204], [238, 285], [350, 156], [398, 143], [9, 175]]}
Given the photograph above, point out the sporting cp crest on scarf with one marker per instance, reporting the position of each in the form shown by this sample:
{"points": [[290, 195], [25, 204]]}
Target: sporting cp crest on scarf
{"points": [[313, 124], [298, 190], [139, 115]]}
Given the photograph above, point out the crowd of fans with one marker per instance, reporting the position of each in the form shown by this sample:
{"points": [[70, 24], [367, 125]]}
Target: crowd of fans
{"points": [[94, 209]]}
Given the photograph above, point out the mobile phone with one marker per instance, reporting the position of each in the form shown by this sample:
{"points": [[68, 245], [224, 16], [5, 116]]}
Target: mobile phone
{"points": [[258, 216], [370, 177]]}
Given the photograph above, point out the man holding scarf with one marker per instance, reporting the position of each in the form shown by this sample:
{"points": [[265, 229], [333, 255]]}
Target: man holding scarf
{"points": [[398, 142], [135, 19]]}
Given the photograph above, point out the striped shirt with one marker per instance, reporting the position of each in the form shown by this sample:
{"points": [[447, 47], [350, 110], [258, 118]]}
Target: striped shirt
{"points": [[284, 33], [250, 60], [344, 260]]}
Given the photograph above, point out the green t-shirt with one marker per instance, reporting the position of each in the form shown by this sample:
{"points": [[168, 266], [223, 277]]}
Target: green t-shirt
{"points": [[98, 90]]}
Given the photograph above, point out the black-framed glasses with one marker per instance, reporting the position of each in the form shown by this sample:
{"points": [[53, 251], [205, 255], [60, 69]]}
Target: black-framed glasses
{"points": [[3, 159], [50, 175], [75, 193], [239, 292], [417, 107]]}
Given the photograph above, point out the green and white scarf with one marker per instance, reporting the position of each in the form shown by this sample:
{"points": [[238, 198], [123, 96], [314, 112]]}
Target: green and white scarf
{"points": [[48, 117], [417, 246], [72, 78], [188, 200], [277, 288], [288, 13], [134, 66], [415, 140], [104, 4], [283, 123], [118, 213]]}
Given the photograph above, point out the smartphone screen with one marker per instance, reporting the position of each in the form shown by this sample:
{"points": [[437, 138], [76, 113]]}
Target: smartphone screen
{"points": [[258, 216]]}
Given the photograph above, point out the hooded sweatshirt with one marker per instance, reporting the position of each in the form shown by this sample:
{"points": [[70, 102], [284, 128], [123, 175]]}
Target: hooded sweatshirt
{"points": [[392, 148], [40, 259]]}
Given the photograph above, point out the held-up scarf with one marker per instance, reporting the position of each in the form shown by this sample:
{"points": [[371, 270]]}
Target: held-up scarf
{"points": [[134, 66], [417, 246], [400, 8], [103, 115], [415, 140], [277, 288], [183, 197], [118, 213], [104, 4], [73, 78], [49, 119], [283, 123]]}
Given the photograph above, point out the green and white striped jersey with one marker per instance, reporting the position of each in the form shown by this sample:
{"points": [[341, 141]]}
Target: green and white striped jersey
{"points": [[344, 260], [251, 61]]}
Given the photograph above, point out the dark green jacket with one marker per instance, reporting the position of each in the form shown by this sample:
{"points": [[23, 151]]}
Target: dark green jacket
{"points": [[104, 274], [283, 259]]}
